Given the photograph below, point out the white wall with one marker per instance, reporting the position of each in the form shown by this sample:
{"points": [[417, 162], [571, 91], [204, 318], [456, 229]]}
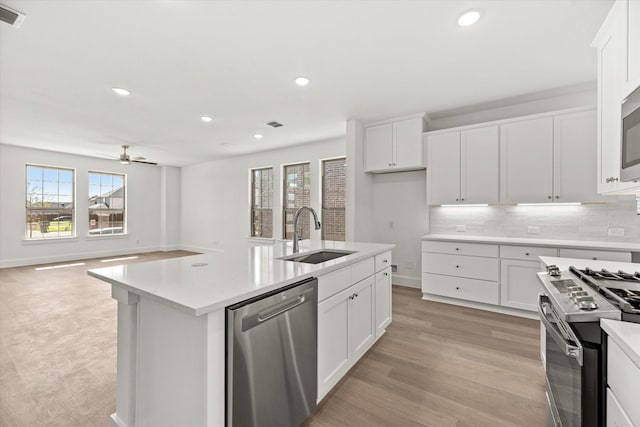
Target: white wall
{"points": [[215, 195], [144, 195]]}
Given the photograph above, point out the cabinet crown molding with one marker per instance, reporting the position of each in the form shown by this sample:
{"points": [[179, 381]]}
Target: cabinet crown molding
{"points": [[423, 116]]}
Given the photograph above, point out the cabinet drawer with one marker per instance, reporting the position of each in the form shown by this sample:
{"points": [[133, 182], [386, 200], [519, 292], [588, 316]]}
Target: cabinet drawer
{"points": [[462, 266], [462, 288], [383, 261], [526, 253], [623, 376], [334, 282], [616, 416], [475, 249], [362, 269], [598, 255]]}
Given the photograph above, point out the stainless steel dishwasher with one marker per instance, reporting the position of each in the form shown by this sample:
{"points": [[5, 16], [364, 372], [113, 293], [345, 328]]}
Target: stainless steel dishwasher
{"points": [[272, 357]]}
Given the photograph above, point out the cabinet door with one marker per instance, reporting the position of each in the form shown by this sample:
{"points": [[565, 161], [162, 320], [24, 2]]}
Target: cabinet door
{"points": [[574, 149], [361, 321], [407, 137], [519, 285], [633, 44], [333, 340], [479, 171], [383, 300], [526, 161], [610, 77], [443, 160], [378, 147]]}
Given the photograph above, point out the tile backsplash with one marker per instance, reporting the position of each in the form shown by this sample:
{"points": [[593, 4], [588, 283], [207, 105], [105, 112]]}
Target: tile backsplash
{"points": [[598, 221]]}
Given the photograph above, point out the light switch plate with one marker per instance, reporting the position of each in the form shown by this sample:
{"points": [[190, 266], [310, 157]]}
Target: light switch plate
{"points": [[461, 227], [616, 232], [533, 229]]}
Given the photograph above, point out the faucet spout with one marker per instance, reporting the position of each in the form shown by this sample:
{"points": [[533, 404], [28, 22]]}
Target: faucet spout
{"points": [[295, 225]]}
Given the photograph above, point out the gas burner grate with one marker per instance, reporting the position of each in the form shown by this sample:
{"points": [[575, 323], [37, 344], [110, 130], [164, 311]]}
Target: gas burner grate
{"points": [[608, 275]]}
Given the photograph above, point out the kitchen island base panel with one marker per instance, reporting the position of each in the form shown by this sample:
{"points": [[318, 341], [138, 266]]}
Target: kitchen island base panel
{"points": [[169, 388], [480, 306]]}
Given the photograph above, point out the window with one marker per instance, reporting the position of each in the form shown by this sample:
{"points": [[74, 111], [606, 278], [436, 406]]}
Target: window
{"points": [[262, 202], [106, 203], [49, 202], [297, 193], [334, 184]]}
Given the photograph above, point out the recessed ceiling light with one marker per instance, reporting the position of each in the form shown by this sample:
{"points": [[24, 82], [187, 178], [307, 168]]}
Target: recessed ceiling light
{"points": [[469, 17], [206, 119], [120, 91], [257, 136], [302, 81]]}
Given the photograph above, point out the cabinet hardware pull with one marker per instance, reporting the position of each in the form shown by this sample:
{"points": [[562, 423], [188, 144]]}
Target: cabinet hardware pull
{"points": [[594, 258], [457, 200], [386, 274], [462, 200], [458, 288], [549, 197], [385, 261], [457, 249], [457, 266]]}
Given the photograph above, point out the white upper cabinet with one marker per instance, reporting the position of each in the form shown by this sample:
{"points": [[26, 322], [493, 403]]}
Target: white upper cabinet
{"points": [[574, 154], [395, 146], [463, 166], [617, 72], [549, 159], [443, 168], [479, 170], [526, 161]]}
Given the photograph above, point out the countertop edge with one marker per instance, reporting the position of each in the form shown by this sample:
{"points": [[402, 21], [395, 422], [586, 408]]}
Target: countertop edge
{"points": [[614, 329], [517, 241]]}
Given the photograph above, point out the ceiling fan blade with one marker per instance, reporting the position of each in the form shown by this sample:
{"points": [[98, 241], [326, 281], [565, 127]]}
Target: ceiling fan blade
{"points": [[144, 162]]}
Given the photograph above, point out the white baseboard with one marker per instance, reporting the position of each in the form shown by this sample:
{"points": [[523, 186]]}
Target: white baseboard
{"points": [[481, 306], [408, 281], [20, 262], [198, 249]]}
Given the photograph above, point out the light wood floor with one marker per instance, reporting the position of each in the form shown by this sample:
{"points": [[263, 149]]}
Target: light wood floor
{"points": [[437, 365]]}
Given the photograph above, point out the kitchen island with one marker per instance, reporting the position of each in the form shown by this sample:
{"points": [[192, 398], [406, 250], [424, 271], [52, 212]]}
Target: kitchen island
{"points": [[171, 323]]}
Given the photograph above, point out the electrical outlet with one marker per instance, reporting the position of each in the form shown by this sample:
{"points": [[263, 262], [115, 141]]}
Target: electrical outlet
{"points": [[410, 265], [394, 268], [616, 232], [533, 229], [215, 243], [461, 228]]}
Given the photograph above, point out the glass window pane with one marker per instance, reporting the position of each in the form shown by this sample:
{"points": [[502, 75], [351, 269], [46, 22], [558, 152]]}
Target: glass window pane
{"points": [[261, 202], [106, 204], [49, 202]]}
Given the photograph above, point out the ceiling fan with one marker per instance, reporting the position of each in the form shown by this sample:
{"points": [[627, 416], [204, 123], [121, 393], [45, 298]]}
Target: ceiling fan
{"points": [[126, 159]]}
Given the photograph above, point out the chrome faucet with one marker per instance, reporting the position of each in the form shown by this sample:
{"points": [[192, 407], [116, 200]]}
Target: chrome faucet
{"points": [[295, 225]]}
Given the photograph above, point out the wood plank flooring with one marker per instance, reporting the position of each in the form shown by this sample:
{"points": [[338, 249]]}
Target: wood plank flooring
{"points": [[437, 365]]}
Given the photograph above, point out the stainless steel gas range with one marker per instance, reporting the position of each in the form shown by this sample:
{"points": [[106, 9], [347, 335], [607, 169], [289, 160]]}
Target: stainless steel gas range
{"points": [[573, 302]]}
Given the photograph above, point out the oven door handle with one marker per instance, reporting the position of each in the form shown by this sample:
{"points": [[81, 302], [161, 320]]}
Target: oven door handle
{"points": [[569, 348]]}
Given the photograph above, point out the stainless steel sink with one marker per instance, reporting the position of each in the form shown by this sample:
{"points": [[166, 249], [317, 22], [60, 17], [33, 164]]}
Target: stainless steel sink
{"points": [[316, 257]]}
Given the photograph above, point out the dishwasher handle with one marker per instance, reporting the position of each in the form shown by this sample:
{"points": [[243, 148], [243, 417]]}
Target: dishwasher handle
{"points": [[252, 320], [263, 317]]}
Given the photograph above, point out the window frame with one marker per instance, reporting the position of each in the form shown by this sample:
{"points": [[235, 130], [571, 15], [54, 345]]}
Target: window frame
{"points": [[252, 207], [28, 230], [322, 197], [124, 208], [306, 220]]}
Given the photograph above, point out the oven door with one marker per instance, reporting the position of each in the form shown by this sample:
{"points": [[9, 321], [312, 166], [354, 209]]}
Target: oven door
{"points": [[564, 360]]}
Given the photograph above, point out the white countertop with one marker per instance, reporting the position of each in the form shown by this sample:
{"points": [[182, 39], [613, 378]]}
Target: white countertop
{"points": [[579, 244], [202, 283], [565, 263], [626, 335]]}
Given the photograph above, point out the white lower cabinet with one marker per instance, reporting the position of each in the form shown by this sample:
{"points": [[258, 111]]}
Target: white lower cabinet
{"points": [[519, 284], [351, 316], [616, 417], [501, 275], [383, 300], [623, 377]]}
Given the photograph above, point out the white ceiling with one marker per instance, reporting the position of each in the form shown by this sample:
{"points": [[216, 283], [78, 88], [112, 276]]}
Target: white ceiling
{"points": [[236, 61]]}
